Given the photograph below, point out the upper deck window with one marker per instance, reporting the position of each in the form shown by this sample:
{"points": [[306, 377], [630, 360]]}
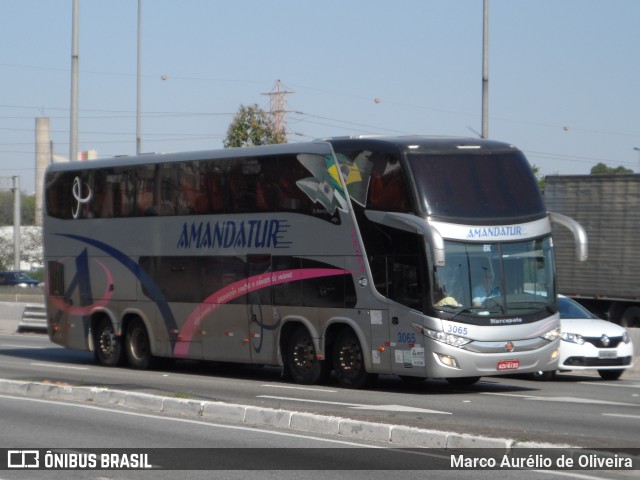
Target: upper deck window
{"points": [[375, 179], [476, 186]]}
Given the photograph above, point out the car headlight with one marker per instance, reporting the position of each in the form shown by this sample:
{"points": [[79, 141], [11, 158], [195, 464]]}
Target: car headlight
{"points": [[573, 338], [626, 338], [447, 338], [552, 334]]}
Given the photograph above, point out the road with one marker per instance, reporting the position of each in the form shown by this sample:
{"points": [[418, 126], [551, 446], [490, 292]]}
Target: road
{"points": [[579, 410], [200, 449]]}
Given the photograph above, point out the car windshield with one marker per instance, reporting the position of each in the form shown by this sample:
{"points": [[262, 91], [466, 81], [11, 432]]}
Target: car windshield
{"points": [[571, 309]]}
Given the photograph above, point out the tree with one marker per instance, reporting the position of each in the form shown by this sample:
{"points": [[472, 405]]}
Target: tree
{"points": [[601, 169], [252, 126], [30, 247], [27, 204], [539, 177]]}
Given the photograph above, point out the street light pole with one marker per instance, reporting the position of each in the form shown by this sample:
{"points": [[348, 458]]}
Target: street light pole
{"points": [[73, 138], [485, 69], [637, 149], [139, 102], [17, 221]]}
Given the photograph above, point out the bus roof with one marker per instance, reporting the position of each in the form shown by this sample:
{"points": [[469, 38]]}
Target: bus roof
{"points": [[435, 144]]}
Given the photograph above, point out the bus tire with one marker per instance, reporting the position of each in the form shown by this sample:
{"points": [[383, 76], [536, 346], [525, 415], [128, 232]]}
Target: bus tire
{"points": [[462, 381], [137, 345], [302, 360], [348, 361], [108, 346]]}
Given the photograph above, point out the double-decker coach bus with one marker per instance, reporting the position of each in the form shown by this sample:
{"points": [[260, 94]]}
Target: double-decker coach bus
{"points": [[360, 256]]}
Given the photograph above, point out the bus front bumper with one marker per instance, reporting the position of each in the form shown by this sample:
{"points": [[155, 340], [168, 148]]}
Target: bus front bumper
{"points": [[450, 362]]}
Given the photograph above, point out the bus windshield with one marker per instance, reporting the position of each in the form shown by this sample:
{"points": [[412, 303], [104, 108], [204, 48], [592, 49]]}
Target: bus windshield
{"points": [[497, 279], [476, 186]]}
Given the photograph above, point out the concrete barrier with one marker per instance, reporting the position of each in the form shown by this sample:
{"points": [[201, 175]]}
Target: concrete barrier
{"points": [[26, 314]]}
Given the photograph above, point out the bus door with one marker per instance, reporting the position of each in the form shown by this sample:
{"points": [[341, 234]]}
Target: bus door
{"points": [[407, 346], [406, 296], [225, 324], [263, 317]]}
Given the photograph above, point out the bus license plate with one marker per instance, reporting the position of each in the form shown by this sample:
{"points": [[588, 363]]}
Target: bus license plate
{"points": [[508, 364]]}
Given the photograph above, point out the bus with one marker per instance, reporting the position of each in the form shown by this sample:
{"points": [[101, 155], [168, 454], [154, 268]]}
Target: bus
{"points": [[349, 257]]}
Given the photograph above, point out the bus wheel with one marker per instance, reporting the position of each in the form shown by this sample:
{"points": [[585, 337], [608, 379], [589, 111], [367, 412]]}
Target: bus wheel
{"points": [[108, 347], [462, 381], [137, 346], [348, 361], [302, 361]]}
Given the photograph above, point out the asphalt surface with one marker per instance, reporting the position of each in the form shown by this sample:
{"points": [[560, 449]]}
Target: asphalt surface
{"points": [[393, 435]]}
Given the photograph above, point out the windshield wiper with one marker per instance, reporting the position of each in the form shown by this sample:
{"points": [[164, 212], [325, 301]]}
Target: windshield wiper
{"points": [[461, 310]]}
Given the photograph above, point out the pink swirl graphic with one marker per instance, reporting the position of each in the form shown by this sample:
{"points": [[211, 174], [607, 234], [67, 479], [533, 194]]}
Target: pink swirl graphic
{"points": [[82, 310], [235, 290]]}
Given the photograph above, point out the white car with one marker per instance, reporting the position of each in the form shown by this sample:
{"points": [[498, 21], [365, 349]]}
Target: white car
{"points": [[589, 343]]}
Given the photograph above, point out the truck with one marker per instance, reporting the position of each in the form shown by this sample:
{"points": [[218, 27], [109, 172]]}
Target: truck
{"points": [[608, 208]]}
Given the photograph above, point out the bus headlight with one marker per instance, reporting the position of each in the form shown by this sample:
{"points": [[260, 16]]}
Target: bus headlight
{"points": [[552, 334], [447, 338]]}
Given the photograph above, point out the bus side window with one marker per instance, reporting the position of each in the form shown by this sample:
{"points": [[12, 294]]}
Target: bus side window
{"points": [[290, 196], [288, 293], [266, 185], [223, 275], [144, 186], [167, 200], [387, 189], [59, 194], [103, 207], [242, 195], [188, 190], [124, 193], [208, 189]]}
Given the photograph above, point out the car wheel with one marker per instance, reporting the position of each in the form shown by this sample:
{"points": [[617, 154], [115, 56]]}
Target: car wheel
{"points": [[631, 317], [610, 374]]}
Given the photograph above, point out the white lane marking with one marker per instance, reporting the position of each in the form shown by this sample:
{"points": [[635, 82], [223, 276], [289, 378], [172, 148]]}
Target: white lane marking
{"points": [[299, 388], [57, 365], [562, 399], [505, 394], [202, 423], [635, 417], [623, 385], [581, 400], [29, 347], [581, 476], [356, 406]]}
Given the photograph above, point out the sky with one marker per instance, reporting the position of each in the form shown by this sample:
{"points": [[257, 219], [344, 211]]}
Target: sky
{"points": [[564, 75]]}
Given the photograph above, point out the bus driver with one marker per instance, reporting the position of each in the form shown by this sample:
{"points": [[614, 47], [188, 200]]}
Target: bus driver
{"points": [[485, 290]]}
